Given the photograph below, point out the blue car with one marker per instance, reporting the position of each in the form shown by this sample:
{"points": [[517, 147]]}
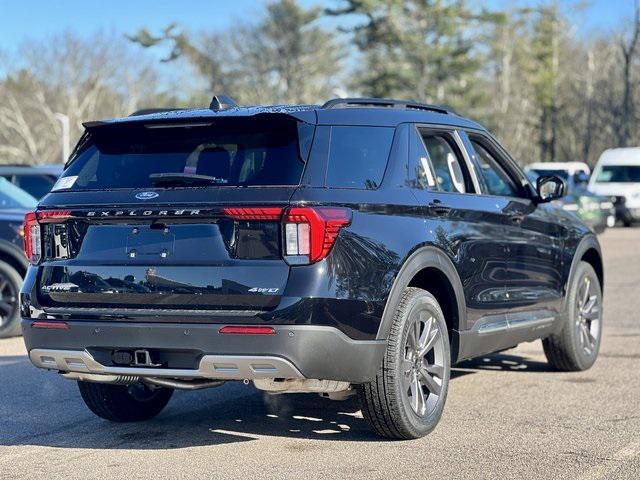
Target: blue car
{"points": [[14, 203]]}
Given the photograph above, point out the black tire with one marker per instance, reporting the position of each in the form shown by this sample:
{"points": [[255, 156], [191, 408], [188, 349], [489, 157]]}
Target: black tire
{"points": [[571, 350], [124, 403], [387, 401], [10, 284], [627, 223]]}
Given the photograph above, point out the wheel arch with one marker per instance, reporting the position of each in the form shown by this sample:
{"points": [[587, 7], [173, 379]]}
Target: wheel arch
{"points": [[430, 269], [588, 250], [594, 258]]}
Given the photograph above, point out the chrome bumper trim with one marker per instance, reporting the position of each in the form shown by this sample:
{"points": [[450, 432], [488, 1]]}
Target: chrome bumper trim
{"points": [[223, 367]]}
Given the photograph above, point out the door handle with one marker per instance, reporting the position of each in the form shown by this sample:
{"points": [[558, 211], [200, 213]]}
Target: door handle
{"points": [[517, 219], [437, 208]]}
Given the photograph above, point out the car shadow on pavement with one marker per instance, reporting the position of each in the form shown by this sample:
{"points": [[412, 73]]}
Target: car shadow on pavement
{"points": [[503, 362], [41, 408]]}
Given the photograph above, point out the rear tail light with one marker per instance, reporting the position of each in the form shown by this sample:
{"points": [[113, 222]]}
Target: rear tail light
{"points": [[247, 330], [33, 233], [53, 216], [32, 243], [253, 213], [311, 232]]}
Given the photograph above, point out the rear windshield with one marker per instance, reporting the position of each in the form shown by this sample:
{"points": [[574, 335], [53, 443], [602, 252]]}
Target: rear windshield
{"points": [[229, 152], [619, 174]]}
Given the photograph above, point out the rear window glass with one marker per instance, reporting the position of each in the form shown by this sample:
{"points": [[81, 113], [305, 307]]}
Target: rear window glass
{"points": [[358, 156], [227, 152]]}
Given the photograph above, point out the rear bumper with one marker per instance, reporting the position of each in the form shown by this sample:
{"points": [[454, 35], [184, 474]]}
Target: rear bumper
{"points": [[300, 351]]}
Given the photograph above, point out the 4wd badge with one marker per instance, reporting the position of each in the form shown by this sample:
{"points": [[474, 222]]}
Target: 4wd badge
{"points": [[263, 290]]}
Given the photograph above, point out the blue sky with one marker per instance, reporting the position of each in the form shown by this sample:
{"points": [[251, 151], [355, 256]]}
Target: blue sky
{"points": [[33, 19]]}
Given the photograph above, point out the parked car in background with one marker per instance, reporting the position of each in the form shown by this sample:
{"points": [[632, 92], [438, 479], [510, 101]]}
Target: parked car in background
{"points": [[363, 246], [35, 180], [596, 211], [579, 170], [617, 175], [14, 203]]}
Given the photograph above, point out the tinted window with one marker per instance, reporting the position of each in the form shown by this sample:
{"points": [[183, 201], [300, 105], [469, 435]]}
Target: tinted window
{"points": [[36, 185], [233, 151], [497, 180], [619, 173], [11, 197], [358, 156], [450, 171], [420, 174]]}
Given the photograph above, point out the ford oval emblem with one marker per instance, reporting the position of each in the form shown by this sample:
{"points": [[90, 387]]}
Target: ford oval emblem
{"points": [[146, 195]]}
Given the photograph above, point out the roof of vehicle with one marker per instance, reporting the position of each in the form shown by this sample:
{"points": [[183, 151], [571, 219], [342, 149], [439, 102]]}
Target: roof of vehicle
{"points": [[358, 112], [52, 170], [620, 156], [571, 167]]}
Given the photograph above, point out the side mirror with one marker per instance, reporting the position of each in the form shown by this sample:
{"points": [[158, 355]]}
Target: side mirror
{"points": [[549, 188]]}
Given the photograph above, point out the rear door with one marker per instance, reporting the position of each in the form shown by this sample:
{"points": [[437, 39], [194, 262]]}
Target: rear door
{"points": [[205, 236], [467, 226]]}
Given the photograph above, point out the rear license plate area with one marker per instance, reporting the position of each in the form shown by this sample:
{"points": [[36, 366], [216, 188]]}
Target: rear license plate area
{"points": [[150, 242]]}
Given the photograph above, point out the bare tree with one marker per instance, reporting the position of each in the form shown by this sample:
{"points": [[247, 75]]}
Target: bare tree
{"points": [[283, 57], [83, 79]]}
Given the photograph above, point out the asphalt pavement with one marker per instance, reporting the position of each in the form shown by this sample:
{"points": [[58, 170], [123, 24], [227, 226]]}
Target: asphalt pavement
{"points": [[507, 416]]}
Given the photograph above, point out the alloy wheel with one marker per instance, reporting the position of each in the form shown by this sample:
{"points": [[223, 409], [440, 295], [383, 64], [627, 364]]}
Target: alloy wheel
{"points": [[8, 300], [423, 365], [587, 321]]}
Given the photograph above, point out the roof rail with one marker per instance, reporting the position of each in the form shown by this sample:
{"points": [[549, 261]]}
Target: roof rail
{"points": [[148, 111], [384, 103]]}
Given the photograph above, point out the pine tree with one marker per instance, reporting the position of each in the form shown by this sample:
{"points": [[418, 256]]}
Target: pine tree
{"points": [[286, 57], [418, 49]]}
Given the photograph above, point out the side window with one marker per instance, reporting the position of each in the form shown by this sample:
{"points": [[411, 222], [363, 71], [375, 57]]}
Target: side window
{"points": [[451, 174], [497, 179], [358, 156], [420, 173]]}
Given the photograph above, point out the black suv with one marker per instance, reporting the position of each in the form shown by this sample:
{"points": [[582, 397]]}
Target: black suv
{"points": [[363, 246]]}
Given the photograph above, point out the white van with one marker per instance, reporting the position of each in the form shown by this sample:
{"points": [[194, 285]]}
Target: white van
{"points": [[617, 175]]}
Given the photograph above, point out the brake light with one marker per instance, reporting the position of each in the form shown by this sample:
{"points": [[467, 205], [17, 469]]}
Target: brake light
{"points": [[32, 236], [253, 213], [247, 330], [311, 232], [53, 216], [31, 239]]}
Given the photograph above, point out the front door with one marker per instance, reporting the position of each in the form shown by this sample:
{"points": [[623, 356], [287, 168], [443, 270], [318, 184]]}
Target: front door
{"points": [[533, 242]]}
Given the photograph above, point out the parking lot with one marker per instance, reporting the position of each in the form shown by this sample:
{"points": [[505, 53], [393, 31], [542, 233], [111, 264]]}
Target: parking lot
{"points": [[507, 416]]}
